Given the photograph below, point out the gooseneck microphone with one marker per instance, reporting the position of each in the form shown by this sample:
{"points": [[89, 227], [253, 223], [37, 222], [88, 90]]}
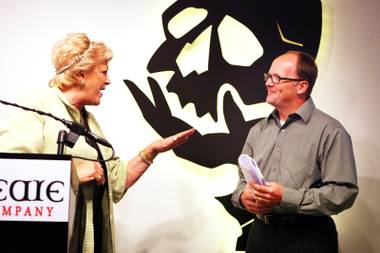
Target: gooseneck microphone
{"points": [[73, 126]]}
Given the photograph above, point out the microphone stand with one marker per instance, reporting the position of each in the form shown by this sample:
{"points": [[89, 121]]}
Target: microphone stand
{"points": [[61, 141]]}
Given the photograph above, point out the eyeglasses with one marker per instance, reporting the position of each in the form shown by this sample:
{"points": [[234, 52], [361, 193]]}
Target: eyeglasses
{"points": [[277, 79]]}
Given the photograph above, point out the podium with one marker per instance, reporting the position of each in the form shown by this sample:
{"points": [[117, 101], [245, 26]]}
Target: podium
{"points": [[34, 202]]}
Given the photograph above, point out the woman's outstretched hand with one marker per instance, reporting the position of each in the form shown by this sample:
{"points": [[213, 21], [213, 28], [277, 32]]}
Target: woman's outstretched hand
{"points": [[166, 144], [138, 165], [172, 141]]}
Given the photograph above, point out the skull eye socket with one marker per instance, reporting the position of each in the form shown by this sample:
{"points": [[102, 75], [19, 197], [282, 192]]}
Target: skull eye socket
{"points": [[239, 45], [186, 20], [195, 55]]}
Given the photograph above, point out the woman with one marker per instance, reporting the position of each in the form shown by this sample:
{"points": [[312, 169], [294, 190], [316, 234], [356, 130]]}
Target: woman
{"points": [[81, 76]]}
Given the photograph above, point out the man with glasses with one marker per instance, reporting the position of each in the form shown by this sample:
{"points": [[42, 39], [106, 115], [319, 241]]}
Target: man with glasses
{"points": [[307, 160]]}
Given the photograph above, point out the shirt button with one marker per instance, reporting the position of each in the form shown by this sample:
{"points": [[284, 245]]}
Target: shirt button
{"points": [[282, 130]]}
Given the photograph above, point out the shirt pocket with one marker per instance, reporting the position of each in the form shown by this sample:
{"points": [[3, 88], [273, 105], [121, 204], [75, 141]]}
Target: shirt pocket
{"points": [[296, 172]]}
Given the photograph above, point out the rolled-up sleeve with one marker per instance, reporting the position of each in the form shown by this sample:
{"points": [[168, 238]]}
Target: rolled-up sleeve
{"points": [[118, 178]]}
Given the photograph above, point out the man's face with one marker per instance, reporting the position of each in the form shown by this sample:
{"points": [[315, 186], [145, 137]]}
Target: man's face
{"points": [[283, 94]]}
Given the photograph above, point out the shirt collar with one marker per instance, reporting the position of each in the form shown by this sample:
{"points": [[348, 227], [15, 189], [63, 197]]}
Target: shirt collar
{"points": [[304, 112]]}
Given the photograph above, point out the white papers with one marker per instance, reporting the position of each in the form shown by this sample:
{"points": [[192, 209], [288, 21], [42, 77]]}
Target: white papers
{"points": [[250, 169]]}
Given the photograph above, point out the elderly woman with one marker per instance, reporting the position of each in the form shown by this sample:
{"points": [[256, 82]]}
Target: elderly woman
{"points": [[81, 76]]}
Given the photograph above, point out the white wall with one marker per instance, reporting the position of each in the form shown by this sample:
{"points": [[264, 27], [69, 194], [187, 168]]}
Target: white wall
{"points": [[172, 207], [349, 90]]}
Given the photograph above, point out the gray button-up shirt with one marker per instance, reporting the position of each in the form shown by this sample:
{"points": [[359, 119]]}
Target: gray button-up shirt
{"points": [[310, 155]]}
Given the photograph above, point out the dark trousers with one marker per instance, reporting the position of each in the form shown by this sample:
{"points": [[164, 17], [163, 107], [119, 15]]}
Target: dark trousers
{"points": [[315, 235]]}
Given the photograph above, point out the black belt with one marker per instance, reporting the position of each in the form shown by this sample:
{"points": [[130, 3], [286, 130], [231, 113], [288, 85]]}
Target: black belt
{"points": [[289, 219]]}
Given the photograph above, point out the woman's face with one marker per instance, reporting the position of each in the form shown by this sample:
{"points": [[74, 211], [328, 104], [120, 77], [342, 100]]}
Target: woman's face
{"points": [[95, 82]]}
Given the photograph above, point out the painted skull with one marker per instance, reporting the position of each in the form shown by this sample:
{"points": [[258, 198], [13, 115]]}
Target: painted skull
{"points": [[210, 44]]}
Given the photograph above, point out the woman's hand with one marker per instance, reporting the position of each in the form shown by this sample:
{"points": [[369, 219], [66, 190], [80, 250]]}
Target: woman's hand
{"points": [[88, 171], [150, 152], [138, 165]]}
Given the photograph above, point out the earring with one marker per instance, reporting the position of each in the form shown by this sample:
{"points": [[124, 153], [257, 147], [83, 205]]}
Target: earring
{"points": [[82, 82]]}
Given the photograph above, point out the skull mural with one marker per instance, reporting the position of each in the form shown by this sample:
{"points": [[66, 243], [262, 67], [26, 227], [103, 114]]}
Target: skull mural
{"points": [[272, 27], [212, 43]]}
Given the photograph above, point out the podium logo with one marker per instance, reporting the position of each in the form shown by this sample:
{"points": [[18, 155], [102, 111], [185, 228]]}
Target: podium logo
{"points": [[34, 190], [29, 191]]}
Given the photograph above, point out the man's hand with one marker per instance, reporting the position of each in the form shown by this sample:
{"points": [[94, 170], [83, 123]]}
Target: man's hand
{"points": [[261, 199]]}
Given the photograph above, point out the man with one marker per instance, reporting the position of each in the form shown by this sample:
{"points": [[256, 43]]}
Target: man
{"points": [[307, 160]]}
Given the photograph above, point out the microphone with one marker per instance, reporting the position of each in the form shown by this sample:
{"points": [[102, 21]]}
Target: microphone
{"points": [[73, 126], [81, 130]]}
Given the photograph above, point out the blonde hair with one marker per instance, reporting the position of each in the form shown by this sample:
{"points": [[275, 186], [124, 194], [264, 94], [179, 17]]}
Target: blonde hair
{"points": [[74, 55]]}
